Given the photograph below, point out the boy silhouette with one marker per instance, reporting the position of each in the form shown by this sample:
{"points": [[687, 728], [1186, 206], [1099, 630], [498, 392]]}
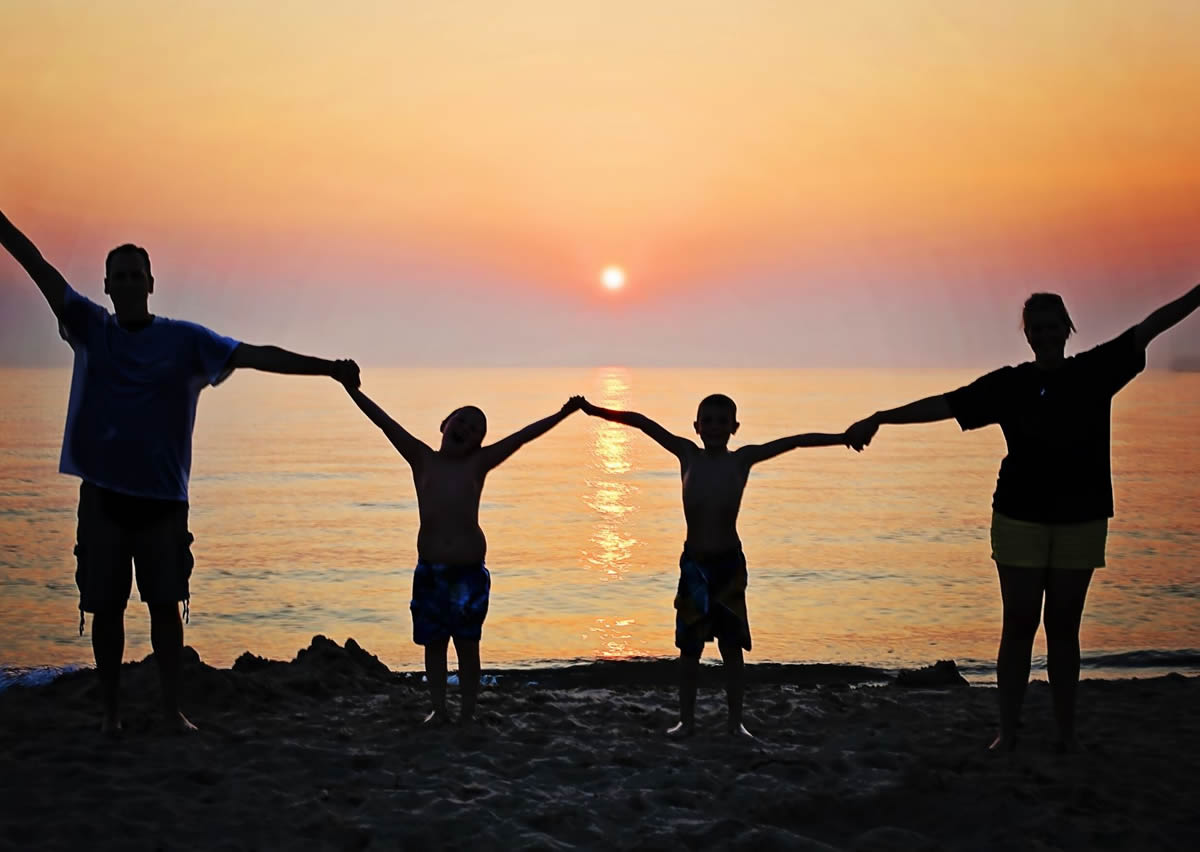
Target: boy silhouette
{"points": [[451, 583], [711, 598]]}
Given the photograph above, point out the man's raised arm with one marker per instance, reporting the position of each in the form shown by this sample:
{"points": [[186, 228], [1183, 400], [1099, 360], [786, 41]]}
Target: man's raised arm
{"points": [[45, 276], [669, 441]]}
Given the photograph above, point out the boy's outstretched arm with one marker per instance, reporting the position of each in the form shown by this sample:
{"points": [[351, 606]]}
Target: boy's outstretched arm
{"points": [[494, 454], [1166, 316], [927, 410], [754, 453], [669, 441], [413, 449], [24, 252], [272, 359]]}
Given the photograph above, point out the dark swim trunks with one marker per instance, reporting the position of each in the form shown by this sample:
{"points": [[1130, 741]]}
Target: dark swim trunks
{"points": [[449, 601], [711, 602]]}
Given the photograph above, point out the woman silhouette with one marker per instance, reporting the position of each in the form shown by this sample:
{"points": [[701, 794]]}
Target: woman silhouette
{"points": [[1054, 494]]}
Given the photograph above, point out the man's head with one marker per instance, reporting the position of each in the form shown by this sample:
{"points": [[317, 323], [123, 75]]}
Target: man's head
{"points": [[463, 430], [716, 420], [1047, 325], [127, 275]]}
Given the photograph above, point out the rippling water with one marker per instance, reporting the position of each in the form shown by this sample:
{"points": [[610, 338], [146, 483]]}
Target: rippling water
{"points": [[305, 520]]}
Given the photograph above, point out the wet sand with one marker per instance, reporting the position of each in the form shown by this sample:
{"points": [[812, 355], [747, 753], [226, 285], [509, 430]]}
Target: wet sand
{"points": [[328, 752]]}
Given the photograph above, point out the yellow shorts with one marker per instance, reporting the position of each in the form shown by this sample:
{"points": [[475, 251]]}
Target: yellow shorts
{"points": [[1068, 547]]}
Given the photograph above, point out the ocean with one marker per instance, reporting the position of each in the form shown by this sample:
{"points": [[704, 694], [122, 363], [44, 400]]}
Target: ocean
{"points": [[305, 522]]}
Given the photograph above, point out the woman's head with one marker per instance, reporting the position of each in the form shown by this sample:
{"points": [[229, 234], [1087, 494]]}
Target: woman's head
{"points": [[1047, 325]]}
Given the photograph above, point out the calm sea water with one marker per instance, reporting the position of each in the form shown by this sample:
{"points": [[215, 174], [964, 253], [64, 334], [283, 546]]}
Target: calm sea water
{"points": [[305, 521]]}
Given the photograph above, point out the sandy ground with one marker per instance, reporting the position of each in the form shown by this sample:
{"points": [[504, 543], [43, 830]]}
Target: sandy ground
{"points": [[327, 752]]}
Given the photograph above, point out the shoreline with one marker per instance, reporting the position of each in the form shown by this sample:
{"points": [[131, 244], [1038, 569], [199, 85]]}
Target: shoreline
{"points": [[328, 752], [1123, 665]]}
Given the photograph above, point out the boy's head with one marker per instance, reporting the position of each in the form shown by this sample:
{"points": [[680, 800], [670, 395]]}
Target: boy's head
{"points": [[127, 273], [463, 430], [716, 420]]}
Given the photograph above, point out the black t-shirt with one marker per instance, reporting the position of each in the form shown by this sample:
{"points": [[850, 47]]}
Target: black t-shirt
{"points": [[1057, 424]]}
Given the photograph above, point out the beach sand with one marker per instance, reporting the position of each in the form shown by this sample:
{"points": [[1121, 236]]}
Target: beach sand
{"points": [[327, 752]]}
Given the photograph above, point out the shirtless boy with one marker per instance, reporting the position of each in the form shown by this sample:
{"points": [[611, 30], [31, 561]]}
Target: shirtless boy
{"points": [[451, 585], [711, 598]]}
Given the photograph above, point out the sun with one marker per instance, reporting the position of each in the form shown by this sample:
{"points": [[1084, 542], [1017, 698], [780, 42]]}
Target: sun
{"points": [[613, 277]]}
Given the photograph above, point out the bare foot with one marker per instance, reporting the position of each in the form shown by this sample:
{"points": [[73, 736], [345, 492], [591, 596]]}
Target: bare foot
{"points": [[740, 731], [181, 723], [680, 730], [1003, 744], [437, 718]]}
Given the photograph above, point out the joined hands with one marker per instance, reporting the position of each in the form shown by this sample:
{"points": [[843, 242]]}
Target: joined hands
{"points": [[573, 404], [346, 372], [859, 435]]}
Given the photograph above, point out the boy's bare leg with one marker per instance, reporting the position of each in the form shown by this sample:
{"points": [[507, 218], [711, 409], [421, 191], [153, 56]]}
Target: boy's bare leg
{"points": [[468, 676], [108, 647], [735, 684], [689, 674], [166, 638], [1066, 592], [1021, 591], [435, 673]]}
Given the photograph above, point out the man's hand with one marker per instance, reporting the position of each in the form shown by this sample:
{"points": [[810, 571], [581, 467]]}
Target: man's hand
{"points": [[585, 406], [572, 405], [860, 434], [346, 372]]}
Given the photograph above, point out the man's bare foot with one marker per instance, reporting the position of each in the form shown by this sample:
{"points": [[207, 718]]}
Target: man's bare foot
{"points": [[681, 729], [1003, 744], [181, 723], [437, 717], [739, 730]]}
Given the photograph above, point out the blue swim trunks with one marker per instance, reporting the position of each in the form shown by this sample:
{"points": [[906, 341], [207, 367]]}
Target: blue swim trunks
{"points": [[711, 602], [449, 601]]}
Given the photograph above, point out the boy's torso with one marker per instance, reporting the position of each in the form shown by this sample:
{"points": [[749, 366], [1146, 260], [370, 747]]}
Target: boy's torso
{"points": [[448, 494], [712, 495]]}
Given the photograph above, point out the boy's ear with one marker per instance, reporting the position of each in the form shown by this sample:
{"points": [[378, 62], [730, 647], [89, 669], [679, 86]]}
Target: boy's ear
{"points": [[733, 431], [150, 288], [696, 426]]}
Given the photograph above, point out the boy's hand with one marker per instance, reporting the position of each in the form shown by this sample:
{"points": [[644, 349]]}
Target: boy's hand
{"points": [[346, 372], [585, 406], [860, 434], [572, 405]]}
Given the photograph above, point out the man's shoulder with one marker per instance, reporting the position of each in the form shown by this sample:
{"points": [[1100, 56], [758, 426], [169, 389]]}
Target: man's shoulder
{"points": [[181, 326]]}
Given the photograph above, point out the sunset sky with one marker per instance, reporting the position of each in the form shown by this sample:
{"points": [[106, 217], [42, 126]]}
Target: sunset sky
{"points": [[871, 182]]}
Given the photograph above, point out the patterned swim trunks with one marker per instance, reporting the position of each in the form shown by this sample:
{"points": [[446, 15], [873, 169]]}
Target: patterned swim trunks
{"points": [[711, 602], [449, 601]]}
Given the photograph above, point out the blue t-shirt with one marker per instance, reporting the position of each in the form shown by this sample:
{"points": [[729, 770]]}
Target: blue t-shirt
{"points": [[133, 398]]}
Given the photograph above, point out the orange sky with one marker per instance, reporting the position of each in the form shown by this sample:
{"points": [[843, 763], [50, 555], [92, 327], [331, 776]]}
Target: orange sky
{"points": [[880, 172]]}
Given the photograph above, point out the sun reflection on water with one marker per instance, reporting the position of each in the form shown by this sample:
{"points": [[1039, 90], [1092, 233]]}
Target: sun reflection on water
{"points": [[611, 497], [615, 639]]}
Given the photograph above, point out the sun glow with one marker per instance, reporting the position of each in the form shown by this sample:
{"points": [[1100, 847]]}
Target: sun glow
{"points": [[613, 277]]}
